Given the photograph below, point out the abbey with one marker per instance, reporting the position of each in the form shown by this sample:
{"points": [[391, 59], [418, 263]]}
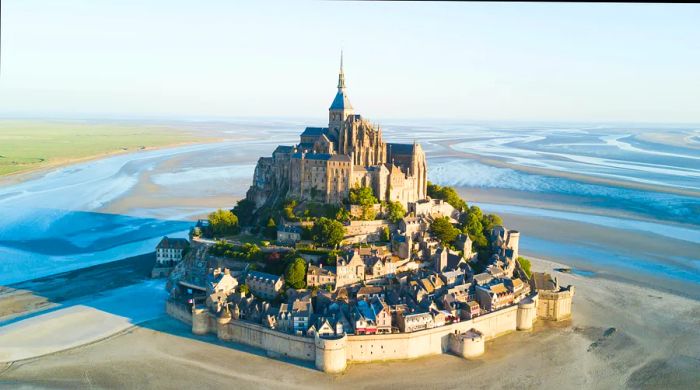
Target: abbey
{"points": [[329, 161]]}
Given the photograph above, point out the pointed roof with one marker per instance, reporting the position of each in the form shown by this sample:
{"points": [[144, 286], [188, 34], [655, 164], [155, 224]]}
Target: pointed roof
{"points": [[341, 101]]}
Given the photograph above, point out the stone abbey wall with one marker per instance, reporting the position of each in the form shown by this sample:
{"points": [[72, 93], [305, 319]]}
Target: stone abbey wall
{"points": [[333, 354]]}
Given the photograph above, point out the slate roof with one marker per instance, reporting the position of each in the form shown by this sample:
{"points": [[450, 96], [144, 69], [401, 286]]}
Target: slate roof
{"points": [[395, 149], [283, 149], [173, 243], [341, 101], [543, 281], [314, 131]]}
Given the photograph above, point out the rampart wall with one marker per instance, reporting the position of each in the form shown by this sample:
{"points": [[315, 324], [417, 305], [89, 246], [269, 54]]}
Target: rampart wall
{"points": [[332, 355]]}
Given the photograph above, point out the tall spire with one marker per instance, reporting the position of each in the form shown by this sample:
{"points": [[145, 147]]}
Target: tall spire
{"points": [[341, 75]]}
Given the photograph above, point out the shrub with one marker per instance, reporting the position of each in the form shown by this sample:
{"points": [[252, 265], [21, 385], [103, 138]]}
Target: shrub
{"points": [[395, 211], [525, 265], [223, 222]]}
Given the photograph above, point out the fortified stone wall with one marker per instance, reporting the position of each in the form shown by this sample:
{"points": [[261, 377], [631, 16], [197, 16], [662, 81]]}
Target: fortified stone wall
{"points": [[427, 342], [276, 343], [365, 231], [365, 227], [179, 312], [333, 354]]}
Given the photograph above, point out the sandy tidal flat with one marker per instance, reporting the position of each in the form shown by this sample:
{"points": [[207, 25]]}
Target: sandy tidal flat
{"points": [[621, 336]]}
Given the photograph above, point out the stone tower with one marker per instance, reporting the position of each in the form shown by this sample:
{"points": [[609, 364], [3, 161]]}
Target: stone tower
{"points": [[340, 108]]}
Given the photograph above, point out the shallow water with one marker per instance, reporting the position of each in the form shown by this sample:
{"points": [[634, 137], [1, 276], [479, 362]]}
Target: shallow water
{"points": [[121, 206]]}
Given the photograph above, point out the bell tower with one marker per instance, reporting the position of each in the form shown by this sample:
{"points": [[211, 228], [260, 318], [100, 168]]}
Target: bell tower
{"points": [[340, 108]]}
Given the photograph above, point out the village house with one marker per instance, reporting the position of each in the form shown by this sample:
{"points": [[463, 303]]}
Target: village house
{"points": [[319, 276], [494, 296], [414, 322], [288, 234], [264, 285], [368, 292], [169, 252], [350, 269]]}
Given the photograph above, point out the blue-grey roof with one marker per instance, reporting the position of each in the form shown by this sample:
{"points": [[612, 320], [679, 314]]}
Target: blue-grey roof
{"points": [[399, 148], [306, 146], [283, 149], [314, 131], [264, 276], [318, 156], [341, 101]]}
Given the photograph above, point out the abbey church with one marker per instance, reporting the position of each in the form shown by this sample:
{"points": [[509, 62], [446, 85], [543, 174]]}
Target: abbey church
{"points": [[329, 161]]}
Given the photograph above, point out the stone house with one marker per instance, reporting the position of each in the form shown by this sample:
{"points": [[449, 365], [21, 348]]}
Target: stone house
{"points": [[169, 252], [288, 234], [414, 322], [264, 285], [493, 297], [369, 292], [319, 276], [350, 269]]}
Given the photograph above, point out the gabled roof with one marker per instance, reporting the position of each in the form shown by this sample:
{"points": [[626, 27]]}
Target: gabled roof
{"points": [[173, 243], [283, 149], [544, 281], [314, 131]]}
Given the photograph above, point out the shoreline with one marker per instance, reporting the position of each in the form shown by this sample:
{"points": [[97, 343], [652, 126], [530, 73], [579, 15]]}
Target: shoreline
{"points": [[490, 161], [602, 345], [31, 173]]}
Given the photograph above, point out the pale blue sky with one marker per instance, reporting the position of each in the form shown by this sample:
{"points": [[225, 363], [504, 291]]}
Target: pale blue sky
{"points": [[200, 59]]}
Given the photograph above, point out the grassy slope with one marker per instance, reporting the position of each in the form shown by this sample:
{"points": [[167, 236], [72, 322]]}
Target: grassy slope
{"points": [[27, 145]]}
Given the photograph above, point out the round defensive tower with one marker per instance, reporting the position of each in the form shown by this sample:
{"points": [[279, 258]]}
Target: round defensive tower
{"points": [[222, 329], [200, 319], [514, 243], [331, 356], [527, 313], [469, 345]]}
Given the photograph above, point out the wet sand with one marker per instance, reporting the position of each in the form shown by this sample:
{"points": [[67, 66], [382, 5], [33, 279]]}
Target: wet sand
{"points": [[621, 336], [21, 299]]}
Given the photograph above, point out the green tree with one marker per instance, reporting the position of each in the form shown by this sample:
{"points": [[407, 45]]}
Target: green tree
{"points": [[328, 232], [271, 229], [251, 252], [196, 231], [243, 288], [368, 213], [489, 221], [288, 210], [474, 226], [525, 265], [244, 211], [385, 234], [295, 274], [443, 230], [223, 222], [343, 215], [395, 211], [363, 196]]}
